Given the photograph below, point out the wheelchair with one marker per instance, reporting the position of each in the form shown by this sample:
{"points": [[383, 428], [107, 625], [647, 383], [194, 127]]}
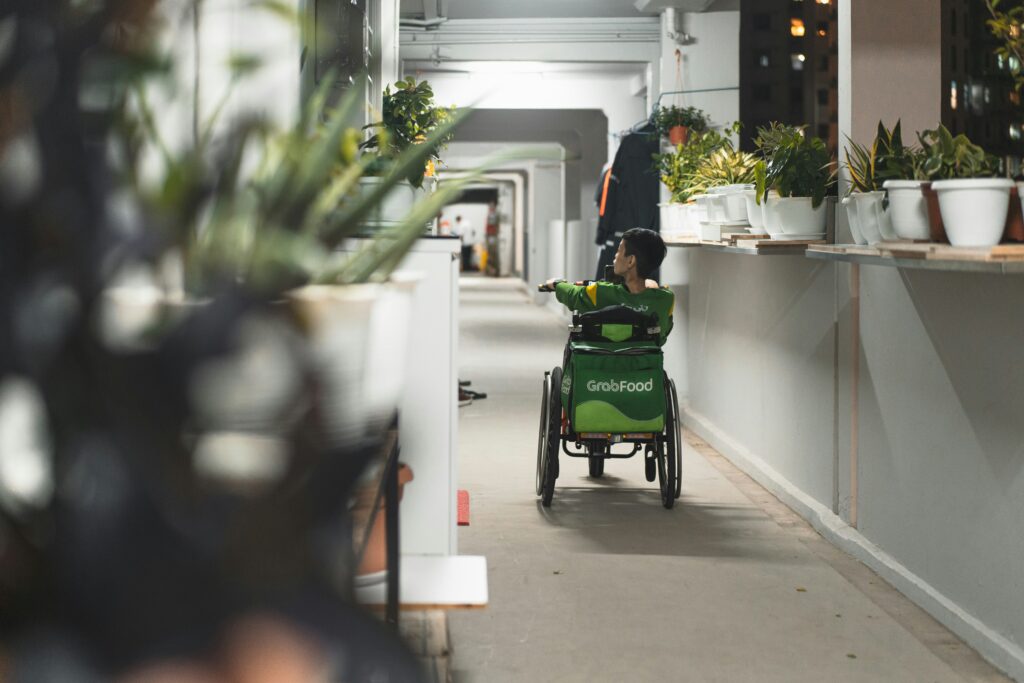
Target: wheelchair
{"points": [[611, 389]]}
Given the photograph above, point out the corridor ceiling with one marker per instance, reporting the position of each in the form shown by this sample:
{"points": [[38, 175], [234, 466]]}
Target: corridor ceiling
{"points": [[554, 9], [521, 9]]}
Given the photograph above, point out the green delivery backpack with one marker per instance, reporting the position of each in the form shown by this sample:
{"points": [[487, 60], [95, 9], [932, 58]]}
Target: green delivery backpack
{"points": [[614, 380]]}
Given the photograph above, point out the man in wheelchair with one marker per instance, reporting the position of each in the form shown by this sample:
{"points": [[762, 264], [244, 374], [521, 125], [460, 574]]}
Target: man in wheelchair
{"points": [[611, 388], [639, 255]]}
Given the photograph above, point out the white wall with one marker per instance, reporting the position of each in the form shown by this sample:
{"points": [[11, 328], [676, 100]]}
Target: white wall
{"points": [[711, 62], [880, 404], [227, 28]]}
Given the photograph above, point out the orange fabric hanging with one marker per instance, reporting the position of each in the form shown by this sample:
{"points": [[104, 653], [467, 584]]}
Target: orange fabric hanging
{"points": [[604, 192]]}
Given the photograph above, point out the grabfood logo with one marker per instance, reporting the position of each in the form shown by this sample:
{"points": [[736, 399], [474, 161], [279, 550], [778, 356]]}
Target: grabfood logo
{"points": [[620, 387]]}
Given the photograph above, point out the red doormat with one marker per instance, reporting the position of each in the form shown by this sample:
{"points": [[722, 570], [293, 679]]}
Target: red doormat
{"points": [[463, 507]]}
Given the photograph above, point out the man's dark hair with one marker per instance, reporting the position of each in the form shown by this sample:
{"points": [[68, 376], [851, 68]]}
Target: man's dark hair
{"points": [[648, 248]]}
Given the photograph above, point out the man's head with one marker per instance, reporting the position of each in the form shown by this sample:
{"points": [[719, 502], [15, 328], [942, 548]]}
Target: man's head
{"points": [[458, 219], [640, 249]]}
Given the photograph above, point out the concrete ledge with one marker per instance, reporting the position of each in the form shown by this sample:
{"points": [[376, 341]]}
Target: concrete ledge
{"points": [[994, 647]]}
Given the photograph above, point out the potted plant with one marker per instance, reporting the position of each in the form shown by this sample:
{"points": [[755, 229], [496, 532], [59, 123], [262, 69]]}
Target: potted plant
{"points": [[679, 122], [677, 170], [729, 174], [800, 170], [965, 194], [409, 115], [885, 200]]}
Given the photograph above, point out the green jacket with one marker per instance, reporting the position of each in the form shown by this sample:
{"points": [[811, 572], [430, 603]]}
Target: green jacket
{"points": [[599, 295]]}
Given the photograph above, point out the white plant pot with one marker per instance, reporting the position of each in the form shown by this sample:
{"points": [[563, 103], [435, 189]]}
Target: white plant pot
{"points": [[337, 322], [731, 203], [851, 214], [974, 210], [705, 210], [691, 222], [796, 217], [359, 340], [755, 212], [869, 214], [908, 209], [667, 229], [397, 203], [388, 350], [769, 216]]}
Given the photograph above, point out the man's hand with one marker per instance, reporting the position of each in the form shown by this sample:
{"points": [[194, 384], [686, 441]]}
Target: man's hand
{"points": [[549, 286]]}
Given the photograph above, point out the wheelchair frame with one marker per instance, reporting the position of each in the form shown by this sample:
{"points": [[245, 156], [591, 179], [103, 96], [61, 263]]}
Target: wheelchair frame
{"points": [[662, 451]]}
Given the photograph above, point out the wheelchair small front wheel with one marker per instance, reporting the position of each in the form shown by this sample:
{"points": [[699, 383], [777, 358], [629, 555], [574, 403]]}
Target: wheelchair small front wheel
{"points": [[596, 463], [666, 475]]}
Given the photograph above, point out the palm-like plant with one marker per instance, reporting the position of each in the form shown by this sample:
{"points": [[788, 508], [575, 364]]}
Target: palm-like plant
{"points": [[724, 166], [886, 159]]}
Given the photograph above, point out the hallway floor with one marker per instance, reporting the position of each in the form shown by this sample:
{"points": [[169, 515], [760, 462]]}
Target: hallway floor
{"points": [[606, 585]]}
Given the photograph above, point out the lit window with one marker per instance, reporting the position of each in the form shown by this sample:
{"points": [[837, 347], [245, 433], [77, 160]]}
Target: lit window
{"points": [[797, 61], [952, 96], [1014, 64], [823, 2], [1000, 62], [796, 27], [764, 60], [1014, 97], [1014, 31], [988, 95], [1014, 131]]}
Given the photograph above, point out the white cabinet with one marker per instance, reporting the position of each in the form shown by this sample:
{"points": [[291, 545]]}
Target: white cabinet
{"points": [[428, 421], [428, 425]]}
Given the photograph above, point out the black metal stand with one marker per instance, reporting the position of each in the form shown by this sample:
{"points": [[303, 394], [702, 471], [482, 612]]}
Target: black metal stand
{"points": [[391, 533]]}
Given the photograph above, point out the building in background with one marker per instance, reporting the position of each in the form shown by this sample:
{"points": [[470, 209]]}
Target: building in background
{"points": [[789, 67], [979, 95]]}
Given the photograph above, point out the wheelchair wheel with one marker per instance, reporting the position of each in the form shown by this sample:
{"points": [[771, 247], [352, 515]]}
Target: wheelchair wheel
{"points": [[669, 451], [542, 435], [554, 436], [674, 430], [666, 475], [650, 464], [596, 466]]}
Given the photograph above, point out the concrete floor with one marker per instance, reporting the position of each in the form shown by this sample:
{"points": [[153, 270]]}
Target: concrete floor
{"points": [[606, 585]]}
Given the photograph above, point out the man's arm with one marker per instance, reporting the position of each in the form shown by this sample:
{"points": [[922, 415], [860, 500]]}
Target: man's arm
{"points": [[577, 297]]}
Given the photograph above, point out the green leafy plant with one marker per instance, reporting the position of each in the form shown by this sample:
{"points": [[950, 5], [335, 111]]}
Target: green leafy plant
{"points": [[792, 164], [409, 116], [669, 117], [1007, 27], [886, 159], [678, 168], [946, 156]]}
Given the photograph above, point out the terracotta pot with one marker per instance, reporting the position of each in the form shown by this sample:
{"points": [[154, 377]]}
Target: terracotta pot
{"points": [[375, 558], [936, 228], [678, 135], [1015, 220]]}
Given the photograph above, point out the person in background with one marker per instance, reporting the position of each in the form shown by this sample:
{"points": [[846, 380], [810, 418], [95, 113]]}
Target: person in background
{"points": [[491, 240], [464, 229], [444, 226]]}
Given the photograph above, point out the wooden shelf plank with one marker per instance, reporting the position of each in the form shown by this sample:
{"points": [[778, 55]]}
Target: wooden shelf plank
{"points": [[1005, 259], [435, 582]]}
